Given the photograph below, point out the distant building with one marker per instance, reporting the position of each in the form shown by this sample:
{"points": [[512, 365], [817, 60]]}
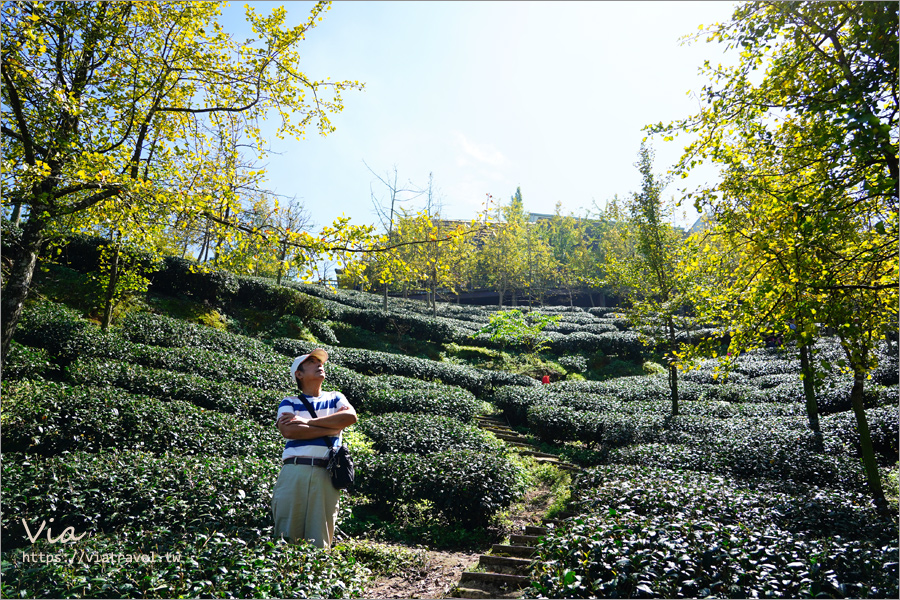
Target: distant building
{"points": [[702, 222]]}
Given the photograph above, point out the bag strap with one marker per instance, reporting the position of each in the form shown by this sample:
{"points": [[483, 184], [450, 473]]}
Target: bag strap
{"points": [[312, 412], [308, 406]]}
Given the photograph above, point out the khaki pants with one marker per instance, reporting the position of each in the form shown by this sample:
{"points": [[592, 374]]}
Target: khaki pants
{"points": [[305, 505]]}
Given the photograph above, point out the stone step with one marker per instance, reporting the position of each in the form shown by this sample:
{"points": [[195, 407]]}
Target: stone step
{"points": [[537, 454], [520, 445], [569, 467], [497, 420], [549, 460], [513, 437], [524, 540], [534, 530], [497, 430], [503, 580], [512, 550], [505, 564], [465, 592], [462, 592]]}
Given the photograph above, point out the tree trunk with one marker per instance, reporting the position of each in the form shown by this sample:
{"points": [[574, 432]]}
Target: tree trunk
{"points": [[673, 369], [19, 280], [17, 214], [281, 263], [673, 386], [385, 296], [865, 440], [809, 390], [111, 290], [434, 295]]}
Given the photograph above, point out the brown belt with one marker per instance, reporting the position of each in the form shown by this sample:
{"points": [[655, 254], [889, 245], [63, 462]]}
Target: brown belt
{"points": [[305, 460]]}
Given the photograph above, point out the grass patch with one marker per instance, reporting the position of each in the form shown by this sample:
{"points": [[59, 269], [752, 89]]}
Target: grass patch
{"points": [[383, 560]]}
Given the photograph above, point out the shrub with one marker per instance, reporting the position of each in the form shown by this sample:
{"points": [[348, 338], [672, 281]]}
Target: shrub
{"points": [[831, 397], [426, 434], [402, 322], [464, 486], [83, 253], [773, 448], [371, 362], [23, 362], [111, 418], [632, 388], [56, 328], [159, 330], [323, 332], [222, 396], [178, 276], [884, 429], [266, 295], [112, 491], [394, 393], [625, 344], [560, 424], [240, 564], [659, 533], [575, 363], [514, 401]]}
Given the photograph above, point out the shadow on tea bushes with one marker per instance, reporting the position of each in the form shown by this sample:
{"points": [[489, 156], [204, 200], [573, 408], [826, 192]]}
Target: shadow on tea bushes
{"points": [[238, 563], [658, 533]]}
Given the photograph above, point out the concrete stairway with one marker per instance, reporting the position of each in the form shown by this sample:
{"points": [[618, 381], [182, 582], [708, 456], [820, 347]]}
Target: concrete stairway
{"points": [[503, 573]]}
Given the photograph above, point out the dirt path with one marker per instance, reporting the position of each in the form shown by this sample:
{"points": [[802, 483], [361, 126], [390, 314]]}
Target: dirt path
{"points": [[442, 570], [440, 574]]}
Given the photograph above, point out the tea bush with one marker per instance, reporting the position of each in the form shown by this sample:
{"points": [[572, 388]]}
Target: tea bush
{"points": [[465, 487], [426, 434], [179, 276], [266, 295], [222, 396], [242, 563], [134, 489], [884, 429], [778, 449], [271, 373], [63, 333], [575, 363], [23, 362], [371, 362], [323, 332], [649, 532], [83, 253], [49, 418], [159, 330]]}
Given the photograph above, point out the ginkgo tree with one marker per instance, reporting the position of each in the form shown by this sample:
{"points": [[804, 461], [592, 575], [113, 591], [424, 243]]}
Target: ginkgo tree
{"points": [[804, 128], [128, 101], [642, 264]]}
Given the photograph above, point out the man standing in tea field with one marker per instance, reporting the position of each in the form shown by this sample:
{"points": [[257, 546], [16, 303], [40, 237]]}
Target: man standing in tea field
{"points": [[304, 501]]}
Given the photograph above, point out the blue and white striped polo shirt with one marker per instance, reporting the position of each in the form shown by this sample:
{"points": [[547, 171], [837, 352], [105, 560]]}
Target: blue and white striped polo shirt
{"points": [[325, 404]]}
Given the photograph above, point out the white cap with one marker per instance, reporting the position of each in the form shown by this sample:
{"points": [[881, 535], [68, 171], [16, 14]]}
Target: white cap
{"points": [[318, 353]]}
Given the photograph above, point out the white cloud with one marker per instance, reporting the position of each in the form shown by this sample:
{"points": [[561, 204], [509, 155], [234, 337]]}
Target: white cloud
{"points": [[482, 153]]}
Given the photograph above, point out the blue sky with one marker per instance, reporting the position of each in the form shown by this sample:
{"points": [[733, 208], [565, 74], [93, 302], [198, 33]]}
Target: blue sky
{"points": [[488, 96]]}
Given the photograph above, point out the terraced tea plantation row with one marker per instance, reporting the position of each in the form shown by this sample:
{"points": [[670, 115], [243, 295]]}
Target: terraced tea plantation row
{"points": [[157, 440]]}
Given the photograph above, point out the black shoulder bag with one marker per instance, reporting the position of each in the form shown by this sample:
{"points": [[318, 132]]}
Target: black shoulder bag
{"points": [[340, 463]]}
